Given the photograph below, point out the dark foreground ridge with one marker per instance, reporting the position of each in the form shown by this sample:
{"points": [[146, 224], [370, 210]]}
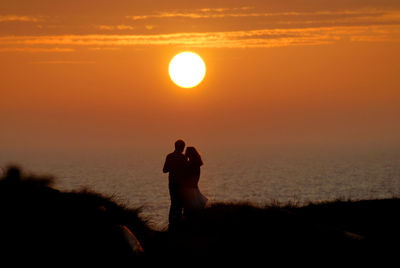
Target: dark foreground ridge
{"points": [[40, 224]]}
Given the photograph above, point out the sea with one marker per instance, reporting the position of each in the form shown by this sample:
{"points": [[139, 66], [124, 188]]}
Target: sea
{"points": [[257, 175]]}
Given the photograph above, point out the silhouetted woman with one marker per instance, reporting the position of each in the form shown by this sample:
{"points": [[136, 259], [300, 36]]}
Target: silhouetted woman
{"points": [[193, 198]]}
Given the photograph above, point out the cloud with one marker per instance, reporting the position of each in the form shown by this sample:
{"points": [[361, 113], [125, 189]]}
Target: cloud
{"points": [[224, 9], [196, 14], [246, 12], [284, 29], [35, 49], [115, 27], [7, 18], [104, 48], [262, 38]]}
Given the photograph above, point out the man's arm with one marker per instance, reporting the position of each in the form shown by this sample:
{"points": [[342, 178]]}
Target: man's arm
{"points": [[166, 165]]}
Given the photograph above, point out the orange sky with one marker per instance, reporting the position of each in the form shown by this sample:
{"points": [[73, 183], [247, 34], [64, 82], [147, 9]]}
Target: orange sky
{"points": [[79, 74]]}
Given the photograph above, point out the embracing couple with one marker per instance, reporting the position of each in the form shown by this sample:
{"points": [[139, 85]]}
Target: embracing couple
{"points": [[184, 175]]}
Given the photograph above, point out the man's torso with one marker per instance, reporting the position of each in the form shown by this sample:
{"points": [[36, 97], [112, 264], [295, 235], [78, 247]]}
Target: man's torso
{"points": [[176, 165]]}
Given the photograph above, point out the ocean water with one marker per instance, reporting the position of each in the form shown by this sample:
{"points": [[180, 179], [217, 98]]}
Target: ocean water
{"points": [[259, 176]]}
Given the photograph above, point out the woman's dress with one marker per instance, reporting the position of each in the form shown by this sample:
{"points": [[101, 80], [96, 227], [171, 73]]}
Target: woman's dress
{"points": [[193, 198]]}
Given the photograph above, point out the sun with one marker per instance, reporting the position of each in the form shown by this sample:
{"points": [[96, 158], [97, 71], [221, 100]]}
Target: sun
{"points": [[187, 69]]}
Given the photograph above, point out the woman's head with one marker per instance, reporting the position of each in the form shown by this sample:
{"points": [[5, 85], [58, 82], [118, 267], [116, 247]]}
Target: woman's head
{"points": [[193, 155]]}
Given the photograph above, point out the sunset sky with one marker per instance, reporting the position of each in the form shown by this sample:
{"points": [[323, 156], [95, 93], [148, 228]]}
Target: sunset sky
{"points": [[94, 74]]}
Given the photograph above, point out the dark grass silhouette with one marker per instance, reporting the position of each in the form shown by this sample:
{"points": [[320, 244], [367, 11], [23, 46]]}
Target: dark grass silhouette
{"points": [[332, 233], [40, 223], [236, 232]]}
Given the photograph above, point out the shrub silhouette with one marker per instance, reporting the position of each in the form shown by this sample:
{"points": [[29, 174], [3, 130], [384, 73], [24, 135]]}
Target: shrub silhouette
{"points": [[45, 224]]}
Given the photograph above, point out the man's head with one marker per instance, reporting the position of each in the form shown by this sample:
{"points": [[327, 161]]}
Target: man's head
{"points": [[179, 146]]}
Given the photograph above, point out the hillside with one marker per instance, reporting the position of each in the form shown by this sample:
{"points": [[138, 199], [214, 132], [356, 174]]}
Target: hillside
{"points": [[42, 223]]}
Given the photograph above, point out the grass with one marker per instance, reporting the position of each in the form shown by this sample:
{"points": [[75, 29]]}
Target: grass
{"points": [[42, 222]]}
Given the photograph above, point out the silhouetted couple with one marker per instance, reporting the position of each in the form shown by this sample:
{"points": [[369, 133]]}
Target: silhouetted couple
{"points": [[184, 175]]}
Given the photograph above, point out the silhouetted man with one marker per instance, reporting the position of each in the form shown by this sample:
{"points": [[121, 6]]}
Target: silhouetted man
{"points": [[175, 164]]}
